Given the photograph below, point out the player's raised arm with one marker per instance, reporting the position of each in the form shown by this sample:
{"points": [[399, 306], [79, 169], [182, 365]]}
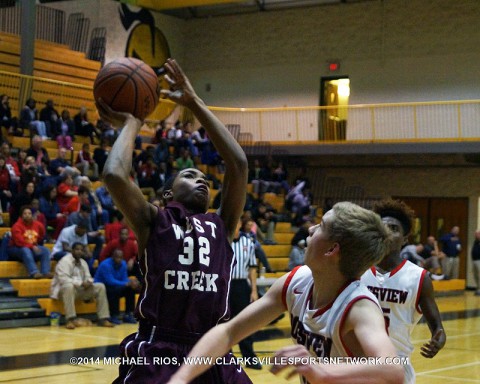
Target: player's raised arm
{"points": [[126, 195], [235, 180]]}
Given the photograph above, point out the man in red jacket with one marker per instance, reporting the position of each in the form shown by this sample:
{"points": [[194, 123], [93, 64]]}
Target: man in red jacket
{"points": [[27, 235], [128, 246]]}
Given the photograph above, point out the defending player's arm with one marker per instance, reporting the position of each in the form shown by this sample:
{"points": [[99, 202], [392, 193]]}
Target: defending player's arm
{"points": [[220, 339], [364, 334], [126, 195], [429, 309], [235, 180]]}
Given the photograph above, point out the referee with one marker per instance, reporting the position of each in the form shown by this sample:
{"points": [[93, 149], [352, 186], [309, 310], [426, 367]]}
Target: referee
{"points": [[243, 289]]}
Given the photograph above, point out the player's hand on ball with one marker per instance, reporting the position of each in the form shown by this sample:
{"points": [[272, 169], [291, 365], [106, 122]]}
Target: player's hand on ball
{"points": [[117, 119], [181, 91]]}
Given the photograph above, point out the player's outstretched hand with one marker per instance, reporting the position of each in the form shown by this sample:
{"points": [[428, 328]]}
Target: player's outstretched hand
{"points": [[434, 345], [181, 91], [117, 119]]}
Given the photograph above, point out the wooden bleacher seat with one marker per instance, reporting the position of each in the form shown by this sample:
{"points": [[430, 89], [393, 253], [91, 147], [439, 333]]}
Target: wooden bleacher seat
{"points": [[82, 308], [12, 269], [279, 250], [278, 263], [284, 237], [283, 227], [29, 287]]}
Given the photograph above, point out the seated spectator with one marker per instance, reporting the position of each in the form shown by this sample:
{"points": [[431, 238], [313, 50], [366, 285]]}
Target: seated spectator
{"points": [[69, 236], [161, 153], [431, 249], [30, 174], [266, 220], [29, 119], [102, 216], [65, 131], [113, 229], [5, 185], [297, 255], [107, 132], [37, 151], [6, 119], [412, 253], [128, 246], [112, 272], [298, 201], [25, 245], [279, 178], [23, 198], [38, 215], [86, 164], [12, 165], [67, 195], [105, 199], [148, 177], [49, 207], [73, 281], [259, 176], [93, 236], [100, 155], [49, 115], [184, 161], [83, 127]]}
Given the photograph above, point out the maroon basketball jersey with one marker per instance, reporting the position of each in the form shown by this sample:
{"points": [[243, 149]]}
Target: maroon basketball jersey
{"points": [[187, 266]]}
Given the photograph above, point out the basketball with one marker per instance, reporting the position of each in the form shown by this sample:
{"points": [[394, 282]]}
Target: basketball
{"points": [[128, 85]]}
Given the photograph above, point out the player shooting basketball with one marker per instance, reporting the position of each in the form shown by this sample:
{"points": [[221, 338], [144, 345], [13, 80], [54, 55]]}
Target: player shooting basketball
{"points": [[185, 253]]}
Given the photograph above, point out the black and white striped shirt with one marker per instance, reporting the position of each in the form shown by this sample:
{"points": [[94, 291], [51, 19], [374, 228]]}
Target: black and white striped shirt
{"points": [[244, 253]]}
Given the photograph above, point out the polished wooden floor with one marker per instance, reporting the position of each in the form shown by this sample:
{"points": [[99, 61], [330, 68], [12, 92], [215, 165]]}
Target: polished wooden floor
{"points": [[41, 354]]}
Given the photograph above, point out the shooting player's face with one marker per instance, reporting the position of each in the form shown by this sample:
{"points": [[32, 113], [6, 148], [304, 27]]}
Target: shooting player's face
{"points": [[191, 189]]}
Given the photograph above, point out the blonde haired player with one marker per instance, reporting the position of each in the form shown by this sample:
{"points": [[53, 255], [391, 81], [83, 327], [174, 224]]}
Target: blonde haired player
{"points": [[332, 314]]}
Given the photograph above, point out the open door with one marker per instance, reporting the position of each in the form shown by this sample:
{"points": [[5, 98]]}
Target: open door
{"points": [[334, 95]]}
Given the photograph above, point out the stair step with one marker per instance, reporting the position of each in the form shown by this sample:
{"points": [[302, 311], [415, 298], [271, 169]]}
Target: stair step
{"points": [[21, 313], [26, 322], [15, 302]]}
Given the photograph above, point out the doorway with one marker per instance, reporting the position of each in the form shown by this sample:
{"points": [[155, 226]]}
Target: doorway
{"points": [[437, 216], [334, 95]]}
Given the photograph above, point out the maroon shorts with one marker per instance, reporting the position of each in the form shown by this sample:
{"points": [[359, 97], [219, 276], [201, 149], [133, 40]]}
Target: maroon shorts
{"points": [[155, 362]]}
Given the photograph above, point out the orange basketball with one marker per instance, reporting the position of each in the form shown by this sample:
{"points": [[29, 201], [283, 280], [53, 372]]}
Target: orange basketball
{"points": [[128, 85]]}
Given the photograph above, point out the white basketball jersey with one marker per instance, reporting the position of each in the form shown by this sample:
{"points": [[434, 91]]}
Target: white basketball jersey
{"points": [[398, 292], [319, 330]]}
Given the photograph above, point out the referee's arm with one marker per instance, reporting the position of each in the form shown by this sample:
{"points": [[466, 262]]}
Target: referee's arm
{"points": [[252, 277]]}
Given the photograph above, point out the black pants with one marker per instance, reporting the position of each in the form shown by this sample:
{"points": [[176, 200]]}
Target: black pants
{"points": [[114, 293], [239, 298]]}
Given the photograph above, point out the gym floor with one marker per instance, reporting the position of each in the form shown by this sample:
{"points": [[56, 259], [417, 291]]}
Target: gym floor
{"points": [[42, 354]]}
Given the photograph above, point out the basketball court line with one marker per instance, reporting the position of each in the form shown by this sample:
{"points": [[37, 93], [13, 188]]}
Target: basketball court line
{"points": [[448, 368]]}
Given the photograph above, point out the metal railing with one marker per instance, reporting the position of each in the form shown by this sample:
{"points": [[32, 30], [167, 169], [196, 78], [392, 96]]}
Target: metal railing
{"points": [[400, 122]]}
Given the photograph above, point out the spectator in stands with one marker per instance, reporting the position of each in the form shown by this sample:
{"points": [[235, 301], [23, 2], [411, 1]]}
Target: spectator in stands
{"points": [[38, 215], [452, 247], [112, 272], [300, 202], [413, 252], [30, 174], [266, 220], [105, 199], [128, 246], [11, 164], [297, 255], [37, 151], [161, 153], [24, 198], [83, 127], [279, 178], [65, 131], [107, 132], [6, 119], [25, 245], [73, 281], [112, 230], [148, 176], [68, 236], [5, 185], [101, 215], [302, 232], [21, 158], [259, 176], [184, 161], [200, 139], [61, 166], [49, 115], [93, 236], [67, 194], [85, 163], [29, 119], [100, 155], [49, 207]]}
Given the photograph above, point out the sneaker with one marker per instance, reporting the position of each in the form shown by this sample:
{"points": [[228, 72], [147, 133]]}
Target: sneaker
{"points": [[115, 320], [48, 275], [80, 322], [105, 323], [70, 324], [257, 366], [37, 275], [437, 277], [129, 319]]}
